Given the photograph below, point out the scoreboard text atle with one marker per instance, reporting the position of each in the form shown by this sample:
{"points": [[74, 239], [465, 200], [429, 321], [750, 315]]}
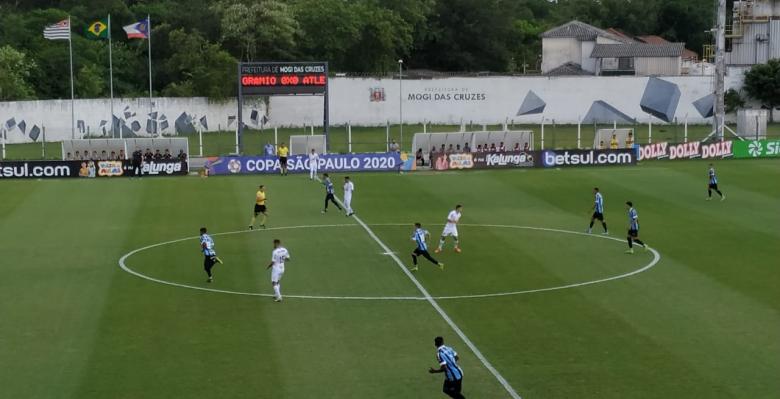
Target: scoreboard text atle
{"points": [[274, 78]]}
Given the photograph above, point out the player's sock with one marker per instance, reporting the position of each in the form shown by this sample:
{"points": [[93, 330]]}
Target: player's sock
{"points": [[591, 225], [630, 243], [709, 193], [252, 222], [638, 241], [441, 244], [720, 193], [603, 224], [277, 294], [262, 221], [414, 260]]}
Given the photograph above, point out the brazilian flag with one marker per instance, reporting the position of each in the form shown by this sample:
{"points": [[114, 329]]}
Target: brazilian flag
{"points": [[97, 30]]}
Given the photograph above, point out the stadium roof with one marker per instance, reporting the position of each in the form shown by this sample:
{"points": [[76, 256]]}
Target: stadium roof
{"points": [[582, 31], [638, 50]]}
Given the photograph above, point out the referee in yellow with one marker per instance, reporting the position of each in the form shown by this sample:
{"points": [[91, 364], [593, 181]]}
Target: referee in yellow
{"points": [[259, 208], [282, 152]]}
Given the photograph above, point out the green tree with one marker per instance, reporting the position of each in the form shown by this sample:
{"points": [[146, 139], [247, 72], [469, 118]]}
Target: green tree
{"points": [[90, 81], [258, 29], [733, 100], [198, 67], [762, 83], [15, 69]]}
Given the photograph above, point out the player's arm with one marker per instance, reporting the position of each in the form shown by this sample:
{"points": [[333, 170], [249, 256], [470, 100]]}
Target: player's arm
{"points": [[441, 368], [270, 264], [203, 245]]}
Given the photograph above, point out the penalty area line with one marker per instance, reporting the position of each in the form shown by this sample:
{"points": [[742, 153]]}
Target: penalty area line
{"points": [[438, 308]]}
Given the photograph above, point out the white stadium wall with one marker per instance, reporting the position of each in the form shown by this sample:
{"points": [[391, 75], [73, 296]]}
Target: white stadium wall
{"points": [[489, 100]]}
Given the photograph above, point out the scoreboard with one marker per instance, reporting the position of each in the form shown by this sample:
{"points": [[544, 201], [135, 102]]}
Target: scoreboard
{"points": [[280, 78]]}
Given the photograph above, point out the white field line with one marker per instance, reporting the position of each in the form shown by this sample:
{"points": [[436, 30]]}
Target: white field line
{"points": [[123, 265], [441, 311]]}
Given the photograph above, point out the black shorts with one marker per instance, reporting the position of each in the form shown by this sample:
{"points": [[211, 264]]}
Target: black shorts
{"points": [[259, 209], [598, 215], [420, 252], [633, 233], [283, 161], [714, 186], [452, 386], [209, 261]]}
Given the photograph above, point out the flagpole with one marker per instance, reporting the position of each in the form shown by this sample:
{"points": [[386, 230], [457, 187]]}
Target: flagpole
{"points": [[149, 40], [72, 95], [111, 79]]}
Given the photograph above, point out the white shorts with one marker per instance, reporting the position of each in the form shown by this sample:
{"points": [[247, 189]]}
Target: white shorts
{"points": [[450, 230], [276, 274]]}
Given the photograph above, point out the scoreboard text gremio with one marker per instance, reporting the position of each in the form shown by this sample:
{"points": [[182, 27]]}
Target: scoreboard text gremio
{"points": [[269, 78]]}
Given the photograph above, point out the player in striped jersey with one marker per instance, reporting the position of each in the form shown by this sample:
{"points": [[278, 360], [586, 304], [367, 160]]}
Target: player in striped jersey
{"points": [[209, 254], [419, 237], [598, 211], [329, 192], [633, 229], [448, 364], [712, 184]]}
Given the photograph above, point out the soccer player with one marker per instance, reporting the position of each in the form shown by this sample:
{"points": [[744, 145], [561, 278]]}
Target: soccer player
{"points": [[448, 364], [633, 229], [260, 208], [419, 237], [451, 229], [314, 160], [713, 184], [329, 193], [282, 152], [209, 254], [278, 257], [349, 187], [598, 211]]}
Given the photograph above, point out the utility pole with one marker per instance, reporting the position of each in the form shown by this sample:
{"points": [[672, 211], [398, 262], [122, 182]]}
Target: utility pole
{"points": [[720, 71]]}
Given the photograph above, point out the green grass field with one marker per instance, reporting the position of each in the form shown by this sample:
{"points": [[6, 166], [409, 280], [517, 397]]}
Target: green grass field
{"points": [[704, 322], [374, 139]]}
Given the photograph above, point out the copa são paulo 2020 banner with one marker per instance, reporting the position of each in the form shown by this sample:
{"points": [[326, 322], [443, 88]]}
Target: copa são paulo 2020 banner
{"points": [[381, 162]]}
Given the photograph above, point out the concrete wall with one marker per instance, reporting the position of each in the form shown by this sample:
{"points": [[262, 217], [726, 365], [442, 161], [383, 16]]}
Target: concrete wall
{"points": [[652, 66], [558, 51], [443, 101], [588, 63]]}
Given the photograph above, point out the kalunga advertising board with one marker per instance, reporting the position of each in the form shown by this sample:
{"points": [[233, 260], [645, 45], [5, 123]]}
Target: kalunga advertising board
{"points": [[484, 160]]}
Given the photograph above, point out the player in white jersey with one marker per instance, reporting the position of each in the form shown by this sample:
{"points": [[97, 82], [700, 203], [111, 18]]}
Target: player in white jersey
{"points": [[349, 187], [278, 257], [314, 160], [451, 228]]}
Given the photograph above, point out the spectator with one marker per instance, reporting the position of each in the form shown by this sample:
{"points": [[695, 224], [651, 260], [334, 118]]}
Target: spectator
{"points": [[601, 145], [442, 150], [103, 156], [394, 147], [613, 143], [122, 156], [167, 155], [517, 147], [431, 155], [113, 156], [78, 156], [501, 147], [148, 155], [630, 140], [182, 156], [157, 155], [450, 149], [419, 157], [269, 149], [69, 157], [137, 160], [457, 149], [525, 146], [466, 148], [492, 147], [479, 148]]}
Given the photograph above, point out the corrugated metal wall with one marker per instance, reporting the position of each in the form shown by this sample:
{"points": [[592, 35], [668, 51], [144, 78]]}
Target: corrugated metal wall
{"points": [[752, 47], [774, 39], [645, 66]]}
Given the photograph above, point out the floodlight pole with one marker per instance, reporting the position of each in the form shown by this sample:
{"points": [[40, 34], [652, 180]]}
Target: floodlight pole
{"points": [[401, 100], [720, 71], [579, 131]]}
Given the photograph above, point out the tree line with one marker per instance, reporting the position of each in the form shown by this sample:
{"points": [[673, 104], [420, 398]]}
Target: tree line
{"points": [[196, 43]]}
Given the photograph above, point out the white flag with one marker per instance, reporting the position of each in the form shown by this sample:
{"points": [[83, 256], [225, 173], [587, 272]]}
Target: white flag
{"points": [[58, 31]]}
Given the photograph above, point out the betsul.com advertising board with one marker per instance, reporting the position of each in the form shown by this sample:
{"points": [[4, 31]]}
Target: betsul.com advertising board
{"points": [[32, 169], [563, 158]]}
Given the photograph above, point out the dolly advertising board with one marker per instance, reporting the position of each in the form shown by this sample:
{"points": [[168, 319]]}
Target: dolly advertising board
{"points": [[690, 150], [87, 169], [232, 165]]}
